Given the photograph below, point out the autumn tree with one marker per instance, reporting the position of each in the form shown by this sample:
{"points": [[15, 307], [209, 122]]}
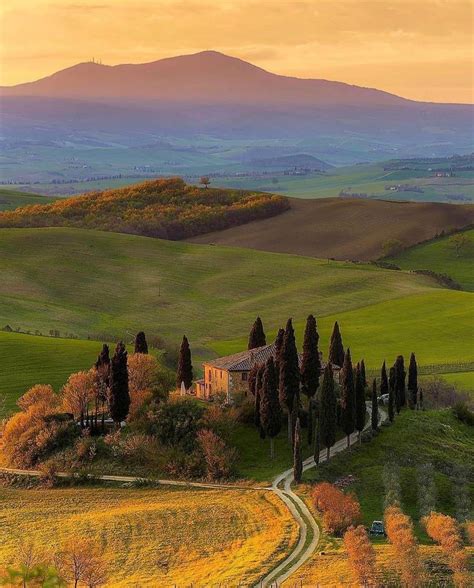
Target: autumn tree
{"points": [[446, 532], [141, 346], [399, 529], [40, 394], [185, 366], [310, 369], [460, 243], [204, 181], [400, 376], [270, 411], [142, 372], [374, 420], [361, 554], [289, 381], [360, 400], [336, 348], [77, 393], [257, 336], [119, 393], [348, 406], [339, 510], [391, 395], [81, 562], [413, 382], [327, 411], [297, 456]]}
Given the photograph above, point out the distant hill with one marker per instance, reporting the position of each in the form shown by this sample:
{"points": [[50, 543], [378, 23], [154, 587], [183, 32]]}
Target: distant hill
{"points": [[11, 199], [166, 208], [298, 160], [343, 228]]}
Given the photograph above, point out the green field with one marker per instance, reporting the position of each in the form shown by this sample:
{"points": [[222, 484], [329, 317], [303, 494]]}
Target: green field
{"points": [[106, 286], [439, 256], [11, 199], [415, 437], [462, 380], [27, 360]]}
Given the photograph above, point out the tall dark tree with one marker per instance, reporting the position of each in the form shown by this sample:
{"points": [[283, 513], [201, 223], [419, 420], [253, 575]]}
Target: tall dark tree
{"points": [[317, 439], [102, 366], [359, 401], [362, 374], [257, 335], [383, 380], [119, 397], [336, 348], [258, 399], [348, 405], [270, 411], [278, 348], [311, 363], [400, 376], [252, 379], [185, 366], [327, 411], [289, 374], [297, 456], [374, 421], [391, 395], [413, 382], [310, 423], [141, 346]]}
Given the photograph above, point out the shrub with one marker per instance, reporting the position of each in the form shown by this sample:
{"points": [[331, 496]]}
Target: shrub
{"points": [[463, 414], [391, 482], [219, 458], [392, 247], [177, 423], [179, 464], [444, 530], [361, 555], [221, 421], [246, 412], [426, 488], [339, 510], [85, 448], [140, 402], [438, 393], [399, 529]]}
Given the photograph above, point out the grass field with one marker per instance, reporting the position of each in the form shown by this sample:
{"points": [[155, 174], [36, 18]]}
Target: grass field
{"points": [[440, 256], [462, 380], [28, 360], [344, 228], [11, 199], [415, 437], [156, 537]]}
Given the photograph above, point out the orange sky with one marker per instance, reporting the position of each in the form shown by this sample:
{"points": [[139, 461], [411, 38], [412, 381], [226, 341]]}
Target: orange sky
{"points": [[420, 49]]}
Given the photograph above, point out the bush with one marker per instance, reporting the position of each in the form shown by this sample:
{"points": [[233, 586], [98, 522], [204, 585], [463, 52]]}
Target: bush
{"points": [[339, 510], [438, 393], [218, 457], [462, 413], [140, 403], [180, 464], [246, 412], [177, 423], [221, 421]]}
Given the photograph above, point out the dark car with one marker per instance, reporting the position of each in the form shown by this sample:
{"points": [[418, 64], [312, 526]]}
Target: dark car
{"points": [[377, 528]]}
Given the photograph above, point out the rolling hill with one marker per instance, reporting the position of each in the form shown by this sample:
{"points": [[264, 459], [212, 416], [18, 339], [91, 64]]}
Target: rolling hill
{"points": [[11, 199], [344, 228], [441, 257]]}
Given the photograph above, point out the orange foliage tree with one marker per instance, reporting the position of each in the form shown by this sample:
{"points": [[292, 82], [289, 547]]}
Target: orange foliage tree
{"points": [[399, 529], [77, 393], [361, 555], [40, 394], [445, 530], [339, 510], [219, 458]]}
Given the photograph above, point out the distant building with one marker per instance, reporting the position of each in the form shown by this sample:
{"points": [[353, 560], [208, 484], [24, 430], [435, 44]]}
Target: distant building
{"points": [[229, 375]]}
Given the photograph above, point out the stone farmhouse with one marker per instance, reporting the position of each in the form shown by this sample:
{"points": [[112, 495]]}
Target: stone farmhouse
{"points": [[229, 375]]}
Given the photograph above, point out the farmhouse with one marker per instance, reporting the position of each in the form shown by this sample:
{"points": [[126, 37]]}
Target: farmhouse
{"points": [[229, 375]]}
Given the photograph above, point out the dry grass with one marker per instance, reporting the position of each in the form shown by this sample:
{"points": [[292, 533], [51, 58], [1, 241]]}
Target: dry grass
{"points": [[162, 537], [342, 228]]}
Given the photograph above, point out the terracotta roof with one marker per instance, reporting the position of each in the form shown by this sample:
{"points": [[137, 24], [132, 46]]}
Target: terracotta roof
{"points": [[245, 360]]}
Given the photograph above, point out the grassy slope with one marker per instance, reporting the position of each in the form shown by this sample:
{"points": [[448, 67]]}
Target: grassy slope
{"points": [[11, 199], [28, 360], [431, 436], [156, 537], [344, 228], [438, 256]]}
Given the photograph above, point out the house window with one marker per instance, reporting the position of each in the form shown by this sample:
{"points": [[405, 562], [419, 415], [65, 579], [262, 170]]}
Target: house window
{"points": [[244, 376]]}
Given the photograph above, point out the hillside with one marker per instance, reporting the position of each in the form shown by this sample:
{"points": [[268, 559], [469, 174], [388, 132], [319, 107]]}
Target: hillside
{"points": [[440, 256], [343, 228], [11, 199], [166, 208]]}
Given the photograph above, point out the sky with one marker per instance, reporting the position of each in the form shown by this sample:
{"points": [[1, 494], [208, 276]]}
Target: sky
{"points": [[419, 49]]}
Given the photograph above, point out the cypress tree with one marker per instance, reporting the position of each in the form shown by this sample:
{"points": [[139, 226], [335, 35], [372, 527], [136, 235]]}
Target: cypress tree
{"points": [[400, 375], [317, 440], [391, 395], [383, 380], [362, 374], [297, 457], [359, 401], [311, 364], [252, 379], [289, 374], [102, 366], [185, 366], [258, 399], [327, 411], [278, 347], [310, 422], [141, 346], [375, 408], [336, 349], [119, 395], [413, 382], [348, 406], [270, 411], [257, 335]]}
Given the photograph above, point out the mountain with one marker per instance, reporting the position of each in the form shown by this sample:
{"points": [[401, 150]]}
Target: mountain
{"points": [[208, 77]]}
